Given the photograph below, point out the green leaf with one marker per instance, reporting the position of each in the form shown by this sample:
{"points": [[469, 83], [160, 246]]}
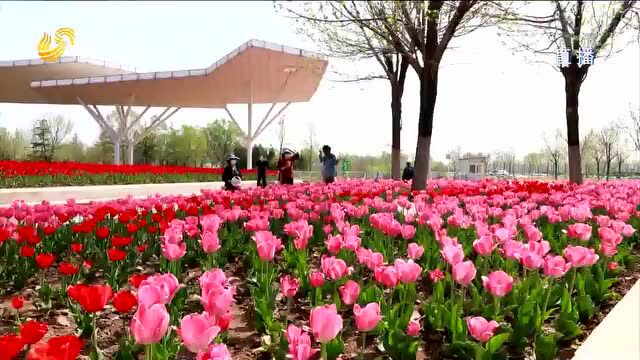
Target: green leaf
{"points": [[495, 343], [545, 347], [334, 348]]}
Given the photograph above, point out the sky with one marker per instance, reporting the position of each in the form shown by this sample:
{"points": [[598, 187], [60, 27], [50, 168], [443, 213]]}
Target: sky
{"points": [[489, 99]]}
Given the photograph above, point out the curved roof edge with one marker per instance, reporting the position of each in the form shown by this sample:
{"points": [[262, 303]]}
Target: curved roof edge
{"points": [[180, 73], [66, 60]]}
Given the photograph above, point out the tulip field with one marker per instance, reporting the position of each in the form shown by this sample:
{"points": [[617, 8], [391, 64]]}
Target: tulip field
{"points": [[17, 174], [353, 270]]}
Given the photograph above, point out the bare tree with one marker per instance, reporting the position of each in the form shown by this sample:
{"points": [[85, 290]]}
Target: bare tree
{"points": [[311, 142], [281, 133], [607, 140], [621, 154], [339, 37], [572, 25], [554, 150], [453, 156], [634, 129], [60, 129], [421, 32]]}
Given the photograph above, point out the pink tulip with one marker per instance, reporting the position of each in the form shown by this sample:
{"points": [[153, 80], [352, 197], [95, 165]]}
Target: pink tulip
{"points": [[213, 278], [299, 344], [325, 323], [386, 275], [608, 249], [436, 275], [609, 236], [369, 258], [198, 331], [464, 272], [413, 328], [316, 279], [215, 352], [603, 221], [579, 231], [531, 260], [481, 329], [628, 230], [617, 226], [532, 233], [415, 251], [498, 283], [484, 246], [210, 223], [149, 324], [210, 242], [334, 268], [555, 266], [502, 235], [580, 256], [408, 271], [453, 254], [289, 286], [174, 252], [158, 289], [327, 229], [217, 300], [512, 249], [349, 292], [408, 232], [351, 242], [368, 317], [267, 245], [612, 266], [333, 244], [541, 247]]}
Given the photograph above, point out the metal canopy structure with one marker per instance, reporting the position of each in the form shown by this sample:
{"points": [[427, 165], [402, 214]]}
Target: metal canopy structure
{"points": [[257, 72]]}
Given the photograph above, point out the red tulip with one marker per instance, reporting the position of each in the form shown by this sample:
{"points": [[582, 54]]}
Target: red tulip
{"points": [[65, 347], [92, 298], [136, 279], [76, 247], [124, 301], [141, 248], [26, 251], [32, 331], [116, 254], [121, 241], [612, 265], [68, 269], [45, 260], [102, 232], [17, 302], [11, 345]]}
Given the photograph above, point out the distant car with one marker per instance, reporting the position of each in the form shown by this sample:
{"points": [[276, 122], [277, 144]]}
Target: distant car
{"points": [[499, 173]]}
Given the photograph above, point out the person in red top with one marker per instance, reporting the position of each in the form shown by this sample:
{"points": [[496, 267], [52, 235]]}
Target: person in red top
{"points": [[285, 165]]}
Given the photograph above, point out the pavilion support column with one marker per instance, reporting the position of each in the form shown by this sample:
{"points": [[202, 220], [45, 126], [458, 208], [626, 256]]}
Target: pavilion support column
{"points": [[249, 139], [116, 150], [130, 146]]}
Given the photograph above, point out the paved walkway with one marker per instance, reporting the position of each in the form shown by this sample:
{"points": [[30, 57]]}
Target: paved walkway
{"points": [[104, 192], [617, 337]]}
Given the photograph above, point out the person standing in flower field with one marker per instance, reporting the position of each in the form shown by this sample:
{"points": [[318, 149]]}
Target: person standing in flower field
{"points": [[285, 166], [262, 164], [329, 163], [407, 173], [231, 175]]}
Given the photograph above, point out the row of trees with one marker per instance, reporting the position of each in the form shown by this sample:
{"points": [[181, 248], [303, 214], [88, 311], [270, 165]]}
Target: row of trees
{"points": [[416, 34]]}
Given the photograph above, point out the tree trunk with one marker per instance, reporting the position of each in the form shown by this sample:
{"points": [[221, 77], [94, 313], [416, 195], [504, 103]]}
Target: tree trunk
{"points": [[428, 94], [396, 127], [598, 169], [572, 82], [555, 170]]}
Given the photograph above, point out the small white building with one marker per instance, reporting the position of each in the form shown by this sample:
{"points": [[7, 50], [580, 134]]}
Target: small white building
{"points": [[472, 167]]}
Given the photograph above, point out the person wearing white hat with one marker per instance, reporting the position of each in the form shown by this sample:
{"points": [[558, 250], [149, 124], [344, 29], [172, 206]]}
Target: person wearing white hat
{"points": [[231, 175], [285, 165]]}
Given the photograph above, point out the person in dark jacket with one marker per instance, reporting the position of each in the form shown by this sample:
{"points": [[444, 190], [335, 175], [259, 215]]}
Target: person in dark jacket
{"points": [[262, 164], [407, 173], [329, 163], [285, 166], [231, 175]]}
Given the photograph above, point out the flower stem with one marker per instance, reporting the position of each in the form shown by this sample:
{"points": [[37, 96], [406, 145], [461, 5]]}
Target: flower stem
{"points": [[148, 353], [496, 305], [364, 344], [323, 352]]}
